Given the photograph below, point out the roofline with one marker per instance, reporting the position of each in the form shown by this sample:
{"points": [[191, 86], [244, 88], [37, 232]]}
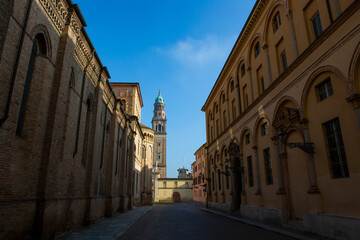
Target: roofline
{"points": [[202, 146], [131, 84], [232, 51]]}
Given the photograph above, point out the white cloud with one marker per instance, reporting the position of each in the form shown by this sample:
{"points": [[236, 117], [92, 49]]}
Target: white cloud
{"points": [[200, 52]]}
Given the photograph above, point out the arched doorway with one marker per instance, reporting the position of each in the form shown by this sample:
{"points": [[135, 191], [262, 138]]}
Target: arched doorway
{"points": [[176, 197]]}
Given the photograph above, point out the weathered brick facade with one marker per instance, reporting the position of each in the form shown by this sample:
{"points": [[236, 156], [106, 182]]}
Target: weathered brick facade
{"points": [[66, 144]]}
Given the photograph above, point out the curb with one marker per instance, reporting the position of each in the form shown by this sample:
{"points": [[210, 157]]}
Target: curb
{"points": [[260, 225]]}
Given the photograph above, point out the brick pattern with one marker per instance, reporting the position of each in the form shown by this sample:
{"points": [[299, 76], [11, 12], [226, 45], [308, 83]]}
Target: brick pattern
{"points": [[61, 172]]}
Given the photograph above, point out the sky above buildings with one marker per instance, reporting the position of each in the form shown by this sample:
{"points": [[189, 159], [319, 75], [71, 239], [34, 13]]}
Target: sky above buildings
{"points": [[178, 46]]}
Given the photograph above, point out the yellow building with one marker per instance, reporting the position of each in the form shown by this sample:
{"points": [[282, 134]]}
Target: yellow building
{"points": [[283, 118], [175, 190]]}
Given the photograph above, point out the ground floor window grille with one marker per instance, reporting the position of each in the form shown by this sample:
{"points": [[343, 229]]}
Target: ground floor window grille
{"points": [[336, 150]]}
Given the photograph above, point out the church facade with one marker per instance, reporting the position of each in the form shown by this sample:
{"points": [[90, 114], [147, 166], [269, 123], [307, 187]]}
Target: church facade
{"points": [[68, 146]]}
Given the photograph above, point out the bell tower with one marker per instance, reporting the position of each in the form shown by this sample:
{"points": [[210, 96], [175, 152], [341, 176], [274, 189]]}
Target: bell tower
{"points": [[159, 127]]}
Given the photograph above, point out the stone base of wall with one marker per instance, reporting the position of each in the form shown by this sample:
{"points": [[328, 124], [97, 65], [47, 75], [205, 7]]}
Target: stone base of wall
{"points": [[262, 214], [146, 198], [224, 207], [123, 205], [333, 226]]}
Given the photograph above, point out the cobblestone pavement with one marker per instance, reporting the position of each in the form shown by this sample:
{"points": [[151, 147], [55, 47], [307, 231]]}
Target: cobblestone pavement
{"points": [[179, 221], [187, 221], [108, 228]]}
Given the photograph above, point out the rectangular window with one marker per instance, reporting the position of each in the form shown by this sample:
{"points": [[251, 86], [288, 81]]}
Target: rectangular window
{"points": [[268, 168], [250, 171], [283, 60], [213, 181], [260, 79], [224, 119], [245, 96], [219, 179], [316, 24], [324, 89], [247, 138], [233, 104], [262, 82], [227, 178], [336, 149], [264, 129]]}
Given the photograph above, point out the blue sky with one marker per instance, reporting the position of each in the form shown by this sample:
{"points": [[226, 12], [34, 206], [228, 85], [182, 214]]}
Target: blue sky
{"points": [[178, 46]]}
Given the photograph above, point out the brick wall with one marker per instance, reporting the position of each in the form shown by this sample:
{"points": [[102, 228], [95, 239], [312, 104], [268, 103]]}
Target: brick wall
{"points": [[60, 172]]}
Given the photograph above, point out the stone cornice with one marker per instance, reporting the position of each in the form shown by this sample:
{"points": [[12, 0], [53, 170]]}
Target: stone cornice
{"points": [[244, 35]]}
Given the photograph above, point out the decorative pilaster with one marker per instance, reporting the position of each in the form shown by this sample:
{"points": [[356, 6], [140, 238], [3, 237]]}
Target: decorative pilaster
{"points": [[251, 85], [310, 159], [258, 192], [281, 185], [293, 36], [315, 199], [268, 63]]}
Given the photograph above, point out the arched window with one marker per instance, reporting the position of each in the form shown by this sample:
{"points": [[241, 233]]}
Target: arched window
{"points": [[159, 127], [242, 69], [232, 85], [39, 48], [223, 98], [276, 21], [257, 49]]}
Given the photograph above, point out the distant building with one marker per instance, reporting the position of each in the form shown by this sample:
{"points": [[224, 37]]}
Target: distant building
{"points": [[198, 171], [159, 127], [175, 190], [131, 98], [183, 173]]}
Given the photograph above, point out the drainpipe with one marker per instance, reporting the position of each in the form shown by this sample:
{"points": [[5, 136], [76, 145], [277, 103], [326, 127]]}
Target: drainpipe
{"points": [[14, 72]]}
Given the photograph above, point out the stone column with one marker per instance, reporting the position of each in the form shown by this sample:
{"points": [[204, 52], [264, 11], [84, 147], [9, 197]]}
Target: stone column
{"points": [[251, 85], [232, 182], [310, 159], [258, 183], [293, 36], [268, 64], [337, 8], [315, 200], [281, 185], [281, 197], [243, 192]]}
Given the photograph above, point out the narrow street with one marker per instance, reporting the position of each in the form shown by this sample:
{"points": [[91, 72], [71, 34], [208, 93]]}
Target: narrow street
{"points": [[188, 221]]}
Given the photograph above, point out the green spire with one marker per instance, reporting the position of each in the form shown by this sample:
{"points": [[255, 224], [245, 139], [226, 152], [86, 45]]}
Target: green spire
{"points": [[159, 98]]}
